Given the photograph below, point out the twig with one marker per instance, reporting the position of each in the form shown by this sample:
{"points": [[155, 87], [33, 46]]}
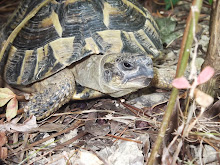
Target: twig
{"points": [[75, 125], [126, 139], [68, 142], [81, 134], [121, 133], [20, 111], [54, 135], [26, 136], [21, 98], [182, 63]]}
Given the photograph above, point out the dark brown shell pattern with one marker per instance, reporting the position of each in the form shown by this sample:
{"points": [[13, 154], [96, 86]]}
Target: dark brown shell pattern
{"points": [[65, 31]]}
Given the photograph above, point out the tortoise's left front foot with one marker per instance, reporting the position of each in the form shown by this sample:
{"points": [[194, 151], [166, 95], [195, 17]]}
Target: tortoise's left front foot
{"points": [[51, 94]]}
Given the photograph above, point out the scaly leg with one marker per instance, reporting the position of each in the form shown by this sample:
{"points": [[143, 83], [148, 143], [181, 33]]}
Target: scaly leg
{"points": [[51, 94], [84, 93]]}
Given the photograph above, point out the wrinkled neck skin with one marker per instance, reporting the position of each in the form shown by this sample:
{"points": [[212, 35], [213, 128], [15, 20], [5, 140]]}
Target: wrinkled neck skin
{"points": [[87, 72]]}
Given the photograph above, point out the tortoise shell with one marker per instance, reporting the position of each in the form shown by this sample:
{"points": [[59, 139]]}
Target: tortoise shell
{"points": [[65, 31]]}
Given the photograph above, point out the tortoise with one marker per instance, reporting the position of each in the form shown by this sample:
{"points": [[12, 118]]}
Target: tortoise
{"points": [[78, 49]]}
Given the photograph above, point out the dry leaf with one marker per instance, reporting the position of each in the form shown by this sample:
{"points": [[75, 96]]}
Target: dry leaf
{"points": [[203, 99], [12, 108], [3, 152], [89, 158], [51, 127], [25, 127], [3, 139], [5, 95]]}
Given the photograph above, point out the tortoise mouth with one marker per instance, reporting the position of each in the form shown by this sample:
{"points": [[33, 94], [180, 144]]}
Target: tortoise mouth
{"points": [[139, 81]]}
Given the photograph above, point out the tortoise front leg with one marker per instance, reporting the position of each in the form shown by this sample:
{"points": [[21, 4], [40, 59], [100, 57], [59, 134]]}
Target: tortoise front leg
{"points": [[163, 78], [51, 93], [84, 93]]}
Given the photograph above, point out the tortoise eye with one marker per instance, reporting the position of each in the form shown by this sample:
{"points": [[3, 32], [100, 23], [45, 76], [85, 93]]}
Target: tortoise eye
{"points": [[127, 65]]}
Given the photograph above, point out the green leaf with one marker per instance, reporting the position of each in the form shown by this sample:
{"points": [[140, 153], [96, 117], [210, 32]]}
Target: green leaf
{"points": [[210, 2], [170, 3], [5, 95], [12, 109], [167, 30]]}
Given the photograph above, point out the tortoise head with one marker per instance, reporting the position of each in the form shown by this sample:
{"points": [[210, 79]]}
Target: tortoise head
{"points": [[115, 74]]}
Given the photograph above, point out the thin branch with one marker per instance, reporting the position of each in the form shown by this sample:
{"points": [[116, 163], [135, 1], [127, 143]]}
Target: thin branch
{"points": [[182, 63]]}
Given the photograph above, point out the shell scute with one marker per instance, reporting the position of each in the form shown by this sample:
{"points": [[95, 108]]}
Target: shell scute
{"points": [[65, 31]]}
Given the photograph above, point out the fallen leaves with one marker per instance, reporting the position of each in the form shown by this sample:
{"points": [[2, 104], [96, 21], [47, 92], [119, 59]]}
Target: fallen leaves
{"points": [[7, 96], [3, 150], [202, 98], [13, 126], [3, 138], [12, 108]]}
